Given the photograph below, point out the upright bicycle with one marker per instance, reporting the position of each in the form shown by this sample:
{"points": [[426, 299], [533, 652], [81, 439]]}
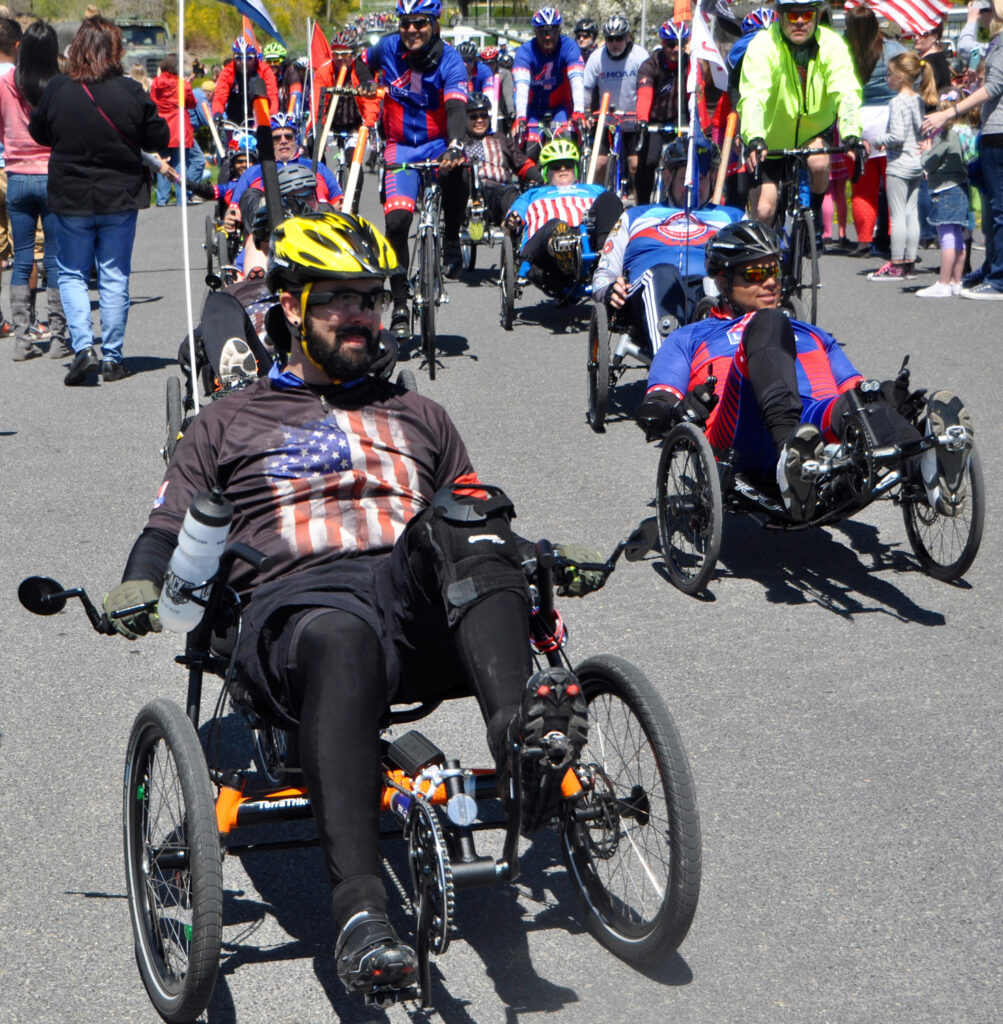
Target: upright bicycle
{"points": [[425, 263], [795, 224]]}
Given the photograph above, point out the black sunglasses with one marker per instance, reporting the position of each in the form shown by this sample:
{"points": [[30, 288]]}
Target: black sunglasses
{"points": [[345, 299], [615, 39], [418, 23]]}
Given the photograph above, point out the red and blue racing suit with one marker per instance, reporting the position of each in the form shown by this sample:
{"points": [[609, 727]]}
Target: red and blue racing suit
{"points": [[688, 355]]}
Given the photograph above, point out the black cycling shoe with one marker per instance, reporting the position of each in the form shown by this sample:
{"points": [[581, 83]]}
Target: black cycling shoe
{"points": [[452, 260], [372, 960], [400, 321], [548, 735]]}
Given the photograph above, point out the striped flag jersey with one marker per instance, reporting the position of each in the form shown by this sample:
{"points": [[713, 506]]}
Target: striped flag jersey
{"points": [[568, 203], [414, 107], [914, 16], [314, 476]]}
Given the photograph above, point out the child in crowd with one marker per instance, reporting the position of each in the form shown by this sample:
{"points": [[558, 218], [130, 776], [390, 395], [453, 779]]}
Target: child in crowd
{"points": [[901, 142], [944, 164]]}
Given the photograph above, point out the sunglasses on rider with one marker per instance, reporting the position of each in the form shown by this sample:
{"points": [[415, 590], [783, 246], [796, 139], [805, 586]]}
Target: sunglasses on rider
{"points": [[478, 115], [800, 15], [670, 44], [347, 301], [284, 136], [584, 35], [760, 272], [615, 39], [417, 23]]}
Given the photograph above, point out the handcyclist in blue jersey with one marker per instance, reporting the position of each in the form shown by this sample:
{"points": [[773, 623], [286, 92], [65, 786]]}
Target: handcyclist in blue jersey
{"points": [[653, 261], [549, 79], [543, 215], [424, 118], [480, 74]]}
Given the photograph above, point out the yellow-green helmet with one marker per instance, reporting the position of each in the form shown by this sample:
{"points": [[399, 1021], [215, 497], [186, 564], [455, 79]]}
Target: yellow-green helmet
{"points": [[557, 151]]}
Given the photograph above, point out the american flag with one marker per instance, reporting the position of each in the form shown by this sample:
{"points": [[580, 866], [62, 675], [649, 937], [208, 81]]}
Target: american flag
{"points": [[347, 482], [571, 209], [914, 16]]}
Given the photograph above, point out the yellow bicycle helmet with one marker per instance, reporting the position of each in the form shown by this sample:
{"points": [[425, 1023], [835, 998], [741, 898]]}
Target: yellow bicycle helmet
{"points": [[557, 151], [326, 246]]}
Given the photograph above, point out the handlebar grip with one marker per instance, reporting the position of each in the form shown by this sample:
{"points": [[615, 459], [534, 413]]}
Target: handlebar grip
{"points": [[545, 562], [859, 159]]}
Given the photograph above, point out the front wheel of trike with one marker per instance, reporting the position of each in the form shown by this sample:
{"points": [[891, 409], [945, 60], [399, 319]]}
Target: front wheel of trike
{"points": [[632, 842]]}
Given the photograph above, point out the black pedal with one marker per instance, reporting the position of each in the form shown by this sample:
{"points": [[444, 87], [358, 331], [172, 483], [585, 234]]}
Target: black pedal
{"points": [[412, 753], [386, 997]]}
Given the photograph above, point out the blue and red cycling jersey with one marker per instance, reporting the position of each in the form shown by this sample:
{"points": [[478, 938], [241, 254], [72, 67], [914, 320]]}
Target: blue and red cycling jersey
{"points": [[483, 79], [688, 355], [414, 107], [328, 189], [548, 83]]}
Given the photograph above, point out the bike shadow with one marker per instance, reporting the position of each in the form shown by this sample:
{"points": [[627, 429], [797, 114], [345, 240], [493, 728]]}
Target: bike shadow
{"points": [[557, 318], [840, 568]]}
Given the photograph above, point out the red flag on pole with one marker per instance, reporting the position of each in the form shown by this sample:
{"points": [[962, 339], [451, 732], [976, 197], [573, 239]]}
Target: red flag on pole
{"points": [[320, 58], [248, 34], [681, 11]]}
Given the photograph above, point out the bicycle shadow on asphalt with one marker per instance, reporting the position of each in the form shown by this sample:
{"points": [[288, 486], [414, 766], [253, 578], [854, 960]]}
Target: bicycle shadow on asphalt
{"points": [[572, 318], [840, 568]]}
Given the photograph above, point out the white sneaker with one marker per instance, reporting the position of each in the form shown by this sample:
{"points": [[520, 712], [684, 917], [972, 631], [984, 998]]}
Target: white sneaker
{"points": [[936, 291], [956, 288]]}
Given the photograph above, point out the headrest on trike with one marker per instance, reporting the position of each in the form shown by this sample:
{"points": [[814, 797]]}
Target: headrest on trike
{"points": [[471, 504]]}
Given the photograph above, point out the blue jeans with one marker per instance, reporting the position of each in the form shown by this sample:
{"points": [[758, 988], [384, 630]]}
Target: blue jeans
{"points": [[26, 202], [195, 166], [107, 239], [992, 213]]}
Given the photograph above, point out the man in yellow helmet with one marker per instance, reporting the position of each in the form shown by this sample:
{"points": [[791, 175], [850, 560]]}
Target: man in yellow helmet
{"points": [[392, 575]]}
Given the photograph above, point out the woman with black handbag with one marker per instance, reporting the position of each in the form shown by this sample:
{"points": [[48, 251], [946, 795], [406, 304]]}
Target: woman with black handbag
{"points": [[97, 122]]}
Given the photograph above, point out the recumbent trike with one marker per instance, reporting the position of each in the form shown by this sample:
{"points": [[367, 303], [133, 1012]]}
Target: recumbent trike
{"points": [[628, 820]]}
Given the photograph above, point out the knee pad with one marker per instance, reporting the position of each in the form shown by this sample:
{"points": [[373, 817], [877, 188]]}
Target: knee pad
{"points": [[467, 546]]}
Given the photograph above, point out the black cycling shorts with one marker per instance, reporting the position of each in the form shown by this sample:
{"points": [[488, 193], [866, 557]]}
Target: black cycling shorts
{"points": [[779, 169]]}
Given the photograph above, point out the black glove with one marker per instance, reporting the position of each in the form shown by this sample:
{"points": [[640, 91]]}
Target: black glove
{"points": [[641, 144], [851, 143], [756, 145], [204, 189], [129, 594], [658, 414], [698, 404], [217, 120], [575, 582], [905, 402]]}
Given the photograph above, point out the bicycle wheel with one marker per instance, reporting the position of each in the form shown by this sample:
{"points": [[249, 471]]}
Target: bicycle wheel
{"points": [[507, 282], [598, 368], [632, 846], [426, 286], [802, 277], [175, 415], [689, 508], [174, 871], [946, 546], [468, 251]]}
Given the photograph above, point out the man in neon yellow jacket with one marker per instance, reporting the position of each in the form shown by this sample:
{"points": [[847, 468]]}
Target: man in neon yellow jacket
{"points": [[797, 81]]}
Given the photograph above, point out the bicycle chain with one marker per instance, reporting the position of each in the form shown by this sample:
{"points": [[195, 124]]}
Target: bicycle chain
{"points": [[431, 870]]}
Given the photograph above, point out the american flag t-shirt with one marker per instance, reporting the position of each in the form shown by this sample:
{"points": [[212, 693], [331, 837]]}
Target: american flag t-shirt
{"points": [[347, 482]]}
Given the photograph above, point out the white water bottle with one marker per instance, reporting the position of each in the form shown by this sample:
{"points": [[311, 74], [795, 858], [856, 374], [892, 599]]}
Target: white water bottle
{"points": [[195, 561]]}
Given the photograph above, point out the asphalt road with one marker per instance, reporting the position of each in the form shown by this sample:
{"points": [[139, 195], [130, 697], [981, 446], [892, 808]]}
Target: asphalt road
{"points": [[841, 710]]}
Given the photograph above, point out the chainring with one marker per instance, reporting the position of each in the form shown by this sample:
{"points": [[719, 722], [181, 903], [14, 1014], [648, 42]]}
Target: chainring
{"points": [[860, 474], [431, 874]]}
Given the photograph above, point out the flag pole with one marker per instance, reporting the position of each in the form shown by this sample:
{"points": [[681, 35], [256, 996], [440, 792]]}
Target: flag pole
{"points": [[183, 206]]}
